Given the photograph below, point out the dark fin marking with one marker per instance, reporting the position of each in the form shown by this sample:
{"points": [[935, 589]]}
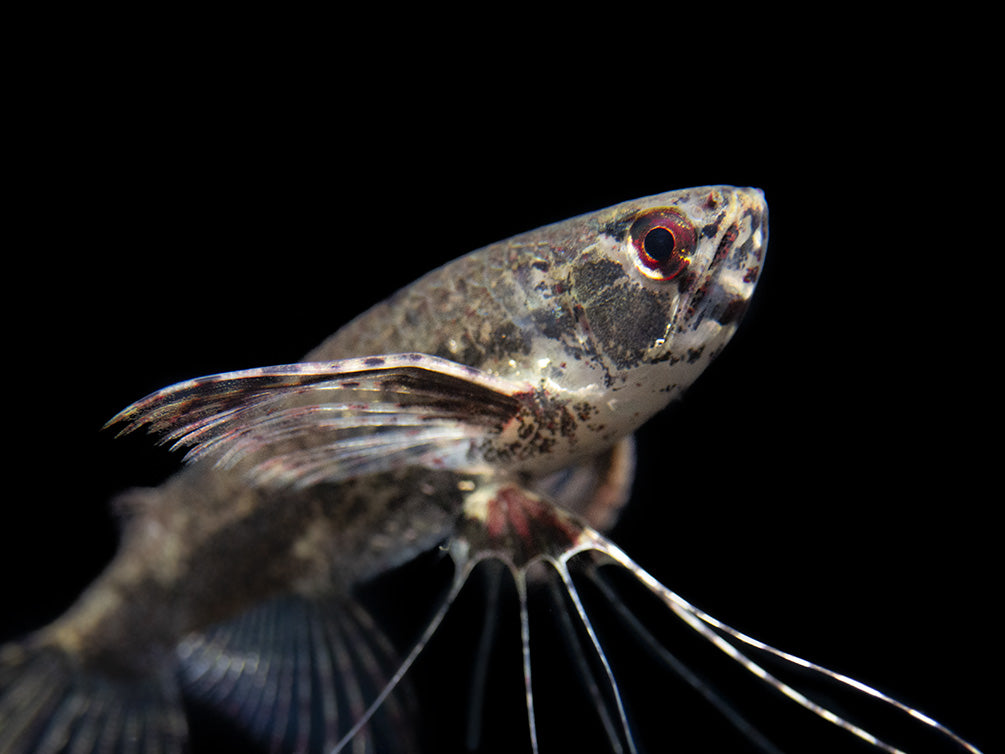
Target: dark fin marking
{"points": [[302, 424], [294, 673], [49, 704]]}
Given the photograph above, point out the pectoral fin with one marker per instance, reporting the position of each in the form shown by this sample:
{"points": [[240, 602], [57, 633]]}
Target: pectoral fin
{"points": [[302, 424], [295, 673]]}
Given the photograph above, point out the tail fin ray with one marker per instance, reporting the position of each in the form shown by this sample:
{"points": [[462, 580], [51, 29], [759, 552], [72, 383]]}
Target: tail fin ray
{"points": [[51, 704]]}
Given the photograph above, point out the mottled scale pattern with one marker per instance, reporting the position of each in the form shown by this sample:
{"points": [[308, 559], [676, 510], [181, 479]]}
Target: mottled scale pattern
{"points": [[461, 316], [484, 413]]}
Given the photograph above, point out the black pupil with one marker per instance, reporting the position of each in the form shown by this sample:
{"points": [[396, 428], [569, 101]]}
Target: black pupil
{"points": [[659, 243]]}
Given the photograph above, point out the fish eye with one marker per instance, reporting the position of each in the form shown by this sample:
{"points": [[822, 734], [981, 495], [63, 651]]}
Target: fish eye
{"points": [[664, 240], [659, 244]]}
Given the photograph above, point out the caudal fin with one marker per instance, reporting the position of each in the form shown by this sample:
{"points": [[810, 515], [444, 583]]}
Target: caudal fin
{"points": [[50, 704]]}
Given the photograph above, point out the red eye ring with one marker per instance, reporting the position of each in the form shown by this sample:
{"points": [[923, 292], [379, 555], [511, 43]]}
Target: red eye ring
{"points": [[664, 240]]}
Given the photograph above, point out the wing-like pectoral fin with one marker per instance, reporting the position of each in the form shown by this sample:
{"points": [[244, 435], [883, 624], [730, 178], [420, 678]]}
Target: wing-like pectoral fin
{"points": [[540, 542], [875, 719], [302, 424]]}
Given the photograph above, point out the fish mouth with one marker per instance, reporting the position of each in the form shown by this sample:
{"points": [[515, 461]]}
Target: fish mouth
{"points": [[737, 260]]}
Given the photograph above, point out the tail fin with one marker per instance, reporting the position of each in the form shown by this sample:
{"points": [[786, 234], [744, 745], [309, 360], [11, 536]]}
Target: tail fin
{"points": [[49, 703]]}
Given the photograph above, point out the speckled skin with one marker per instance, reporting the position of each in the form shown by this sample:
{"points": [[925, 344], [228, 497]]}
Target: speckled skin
{"points": [[204, 546], [566, 309]]}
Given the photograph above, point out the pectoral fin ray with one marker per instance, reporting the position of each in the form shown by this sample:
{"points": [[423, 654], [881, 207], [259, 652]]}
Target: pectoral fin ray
{"points": [[500, 514], [301, 424]]}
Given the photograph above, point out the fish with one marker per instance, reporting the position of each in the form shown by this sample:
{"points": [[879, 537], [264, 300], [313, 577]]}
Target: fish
{"points": [[482, 416]]}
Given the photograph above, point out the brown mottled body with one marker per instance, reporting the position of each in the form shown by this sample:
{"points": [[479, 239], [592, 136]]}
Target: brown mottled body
{"points": [[516, 373], [204, 546], [489, 406], [466, 316]]}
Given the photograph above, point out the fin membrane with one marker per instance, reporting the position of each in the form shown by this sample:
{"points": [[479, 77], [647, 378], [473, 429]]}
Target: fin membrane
{"points": [[49, 705], [527, 534], [294, 674], [302, 424]]}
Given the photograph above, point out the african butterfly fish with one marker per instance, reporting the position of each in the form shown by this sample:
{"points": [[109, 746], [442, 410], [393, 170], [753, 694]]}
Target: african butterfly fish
{"points": [[487, 409]]}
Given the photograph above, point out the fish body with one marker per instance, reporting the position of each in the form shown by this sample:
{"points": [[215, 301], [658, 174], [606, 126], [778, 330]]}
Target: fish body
{"points": [[488, 406]]}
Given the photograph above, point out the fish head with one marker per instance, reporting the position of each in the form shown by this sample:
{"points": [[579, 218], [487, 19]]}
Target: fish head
{"points": [[661, 283]]}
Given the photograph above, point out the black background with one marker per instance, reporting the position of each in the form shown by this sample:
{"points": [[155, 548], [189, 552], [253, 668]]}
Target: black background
{"points": [[825, 486]]}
